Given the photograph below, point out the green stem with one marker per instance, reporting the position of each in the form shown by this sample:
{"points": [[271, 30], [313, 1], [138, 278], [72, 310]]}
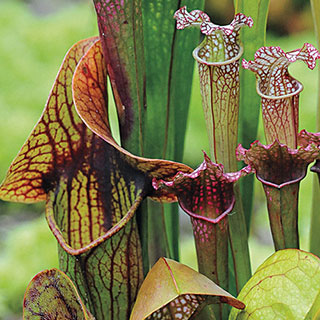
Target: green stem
{"points": [[315, 218], [239, 242], [171, 219], [315, 214], [211, 241], [158, 241], [283, 215], [252, 40], [142, 221]]}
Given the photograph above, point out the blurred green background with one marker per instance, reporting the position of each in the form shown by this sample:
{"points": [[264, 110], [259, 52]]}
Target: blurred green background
{"points": [[34, 37]]}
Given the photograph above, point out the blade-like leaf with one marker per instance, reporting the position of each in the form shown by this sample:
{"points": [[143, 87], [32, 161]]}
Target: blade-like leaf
{"points": [[121, 33], [249, 104], [283, 287], [174, 291], [169, 71], [52, 295], [315, 215]]}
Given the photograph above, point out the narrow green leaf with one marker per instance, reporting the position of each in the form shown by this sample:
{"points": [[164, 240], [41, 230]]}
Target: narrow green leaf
{"points": [[121, 34], [285, 286], [52, 295], [172, 290], [249, 106], [315, 214], [169, 70]]}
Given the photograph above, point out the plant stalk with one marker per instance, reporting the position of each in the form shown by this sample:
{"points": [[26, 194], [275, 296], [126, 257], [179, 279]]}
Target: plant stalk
{"points": [[283, 215], [315, 213]]}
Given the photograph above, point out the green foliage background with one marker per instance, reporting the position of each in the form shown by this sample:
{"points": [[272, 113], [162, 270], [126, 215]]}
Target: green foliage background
{"points": [[32, 48]]}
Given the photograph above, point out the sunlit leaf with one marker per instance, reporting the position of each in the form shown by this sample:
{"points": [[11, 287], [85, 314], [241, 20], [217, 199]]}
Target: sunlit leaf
{"points": [[285, 286], [174, 291], [50, 144], [314, 312], [93, 188], [52, 295]]}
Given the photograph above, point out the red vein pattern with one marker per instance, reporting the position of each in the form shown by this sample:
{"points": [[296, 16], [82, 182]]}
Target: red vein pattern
{"points": [[206, 195], [172, 290], [280, 169], [218, 63], [89, 88], [93, 187], [53, 143], [91, 194], [54, 286], [279, 91], [276, 164]]}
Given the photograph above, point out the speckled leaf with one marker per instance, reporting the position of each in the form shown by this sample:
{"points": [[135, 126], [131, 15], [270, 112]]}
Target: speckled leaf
{"points": [[172, 290], [285, 286], [52, 295]]}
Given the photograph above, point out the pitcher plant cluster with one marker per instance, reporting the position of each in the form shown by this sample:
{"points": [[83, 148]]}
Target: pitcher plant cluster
{"points": [[95, 189]]}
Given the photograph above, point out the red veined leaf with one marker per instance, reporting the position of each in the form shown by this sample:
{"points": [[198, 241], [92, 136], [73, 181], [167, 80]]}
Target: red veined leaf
{"points": [[172, 290], [207, 196], [280, 170], [279, 91], [54, 141], [93, 189], [89, 90], [52, 295]]}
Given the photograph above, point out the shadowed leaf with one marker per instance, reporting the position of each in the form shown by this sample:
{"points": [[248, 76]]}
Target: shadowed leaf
{"points": [[285, 286], [120, 26], [172, 290], [52, 295]]}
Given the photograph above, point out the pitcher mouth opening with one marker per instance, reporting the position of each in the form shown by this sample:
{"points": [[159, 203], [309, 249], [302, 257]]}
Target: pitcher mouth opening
{"points": [[195, 55], [207, 219], [285, 96]]}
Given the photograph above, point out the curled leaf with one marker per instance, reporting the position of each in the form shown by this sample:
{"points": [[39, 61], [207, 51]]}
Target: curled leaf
{"points": [[52, 295], [172, 290]]}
